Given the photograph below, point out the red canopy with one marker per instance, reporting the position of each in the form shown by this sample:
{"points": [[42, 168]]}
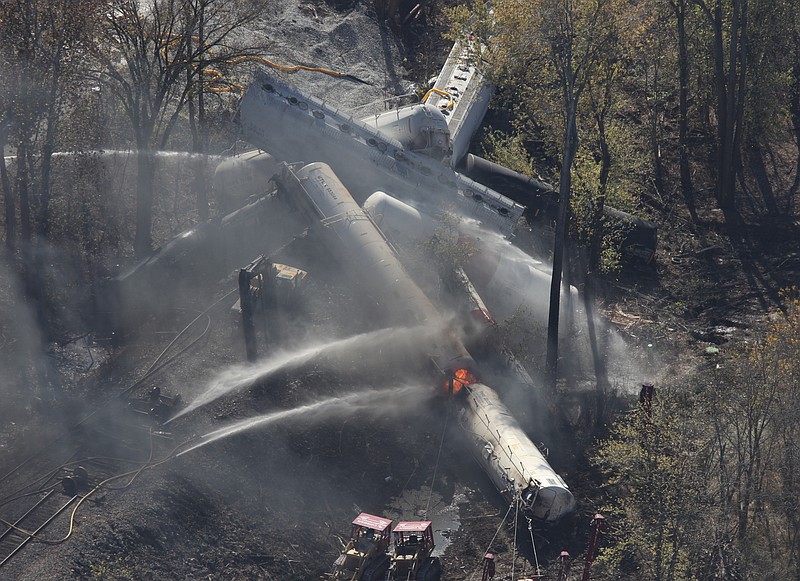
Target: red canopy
{"points": [[373, 522], [415, 526]]}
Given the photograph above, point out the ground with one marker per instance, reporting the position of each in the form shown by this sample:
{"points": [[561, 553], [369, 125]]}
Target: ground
{"points": [[274, 503]]}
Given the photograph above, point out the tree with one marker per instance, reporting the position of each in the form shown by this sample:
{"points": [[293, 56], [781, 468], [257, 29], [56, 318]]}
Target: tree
{"points": [[153, 57], [794, 98], [728, 20], [653, 464], [9, 200], [555, 45], [704, 484], [679, 10], [41, 42]]}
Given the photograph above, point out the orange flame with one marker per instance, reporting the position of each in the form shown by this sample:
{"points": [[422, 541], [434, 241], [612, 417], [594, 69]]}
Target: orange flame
{"points": [[461, 377]]}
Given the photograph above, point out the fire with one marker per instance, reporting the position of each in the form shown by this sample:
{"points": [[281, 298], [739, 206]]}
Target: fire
{"points": [[460, 378]]}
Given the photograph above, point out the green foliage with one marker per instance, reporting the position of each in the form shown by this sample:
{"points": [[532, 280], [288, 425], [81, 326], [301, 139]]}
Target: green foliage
{"points": [[509, 151], [527, 55], [769, 82], [474, 18], [104, 571]]}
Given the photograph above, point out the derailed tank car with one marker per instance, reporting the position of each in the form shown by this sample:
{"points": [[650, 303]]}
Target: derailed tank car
{"points": [[514, 463], [639, 236]]}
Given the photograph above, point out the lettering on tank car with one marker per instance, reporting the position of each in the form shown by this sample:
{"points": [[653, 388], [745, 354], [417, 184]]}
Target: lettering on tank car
{"points": [[326, 188]]}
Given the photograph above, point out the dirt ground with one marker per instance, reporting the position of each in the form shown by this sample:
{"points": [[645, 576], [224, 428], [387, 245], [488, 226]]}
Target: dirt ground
{"points": [[274, 503]]}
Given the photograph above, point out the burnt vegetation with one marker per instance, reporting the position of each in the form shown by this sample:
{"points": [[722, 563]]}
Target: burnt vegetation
{"points": [[685, 113]]}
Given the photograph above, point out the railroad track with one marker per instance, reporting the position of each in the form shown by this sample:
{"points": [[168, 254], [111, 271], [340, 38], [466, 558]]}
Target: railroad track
{"points": [[106, 452], [113, 443], [33, 521]]}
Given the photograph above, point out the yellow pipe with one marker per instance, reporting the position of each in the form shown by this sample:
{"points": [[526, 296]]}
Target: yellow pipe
{"points": [[450, 104]]}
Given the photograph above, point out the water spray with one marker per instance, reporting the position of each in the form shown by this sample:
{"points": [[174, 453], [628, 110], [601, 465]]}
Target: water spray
{"points": [[241, 376], [375, 400]]}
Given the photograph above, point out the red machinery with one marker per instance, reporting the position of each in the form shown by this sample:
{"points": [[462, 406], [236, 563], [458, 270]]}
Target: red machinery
{"points": [[411, 559], [365, 557]]}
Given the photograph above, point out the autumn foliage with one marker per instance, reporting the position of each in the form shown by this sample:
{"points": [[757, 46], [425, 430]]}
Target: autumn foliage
{"points": [[705, 486]]}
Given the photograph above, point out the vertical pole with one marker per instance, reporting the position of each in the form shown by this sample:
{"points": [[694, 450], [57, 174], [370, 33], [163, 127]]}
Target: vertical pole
{"points": [[246, 302], [597, 524], [488, 567], [269, 301], [566, 563]]}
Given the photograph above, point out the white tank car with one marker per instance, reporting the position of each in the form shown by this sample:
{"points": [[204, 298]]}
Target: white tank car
{"points": [[512, 461], [462, 94], [359, 242], [294, 127], [505, 276], [381, 274], [420, 128], [242, 177]]}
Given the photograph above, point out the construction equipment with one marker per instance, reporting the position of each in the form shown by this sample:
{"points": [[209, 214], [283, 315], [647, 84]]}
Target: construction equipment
{"points": [[411, 558], [365, 557], [265, 286]]}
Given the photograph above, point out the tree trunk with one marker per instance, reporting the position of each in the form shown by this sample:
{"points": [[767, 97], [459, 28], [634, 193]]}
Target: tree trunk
{"points": [[687, 189], [570, 148], [655, 133], [721, 105], [202, 148], [23, 191], [8, 198], [48, 147], [593, 262], [197, 123], [794, 110], [200, 159], [739, 87], [730, 88], [145, 179]]}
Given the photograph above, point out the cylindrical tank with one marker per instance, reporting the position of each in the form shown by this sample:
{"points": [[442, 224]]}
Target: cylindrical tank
{"points": [[514, 463], [238, 178], [640, 236], [420, 128], [510, 459], [399, 222], [505, 276], [293, 127], [362, 245], [537, 195]]}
